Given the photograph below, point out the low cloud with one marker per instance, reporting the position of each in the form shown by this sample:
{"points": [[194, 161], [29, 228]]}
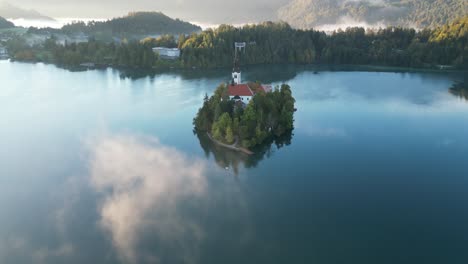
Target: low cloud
{"points": [[143, 184], [346, 22]]}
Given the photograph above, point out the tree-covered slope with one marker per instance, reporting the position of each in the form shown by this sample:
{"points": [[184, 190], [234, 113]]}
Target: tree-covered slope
{"points": [[135, 23], [5, 23], [408, 13]]}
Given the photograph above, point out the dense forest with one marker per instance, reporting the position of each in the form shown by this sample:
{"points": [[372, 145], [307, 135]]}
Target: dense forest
{"points": [[270, 43], [134, 24], [267, 115], [406, 13], [131, 54], [279, 43], [5, 23]]}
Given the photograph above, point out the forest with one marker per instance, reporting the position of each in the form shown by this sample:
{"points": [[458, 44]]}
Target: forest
{"points": [[269, 43], [133, 25], [279, 43], [405, 13], [266, 116]]}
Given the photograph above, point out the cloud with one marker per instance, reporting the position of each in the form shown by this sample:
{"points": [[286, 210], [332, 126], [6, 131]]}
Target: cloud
{"points": [[43, 254], [22, 248], [346, 22], [207, 11], [143, 183]]}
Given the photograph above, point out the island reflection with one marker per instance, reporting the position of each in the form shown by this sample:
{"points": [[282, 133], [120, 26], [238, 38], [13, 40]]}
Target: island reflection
{"points": [[226, 158], [460, 89]]}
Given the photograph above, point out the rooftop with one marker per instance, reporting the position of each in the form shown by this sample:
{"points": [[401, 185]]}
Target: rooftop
{"points": [[240, 90]]}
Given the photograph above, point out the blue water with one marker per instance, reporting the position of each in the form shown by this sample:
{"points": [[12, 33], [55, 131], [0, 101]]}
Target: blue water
{"points": [[102, 166]]}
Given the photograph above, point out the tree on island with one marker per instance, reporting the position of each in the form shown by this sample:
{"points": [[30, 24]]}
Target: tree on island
{"points": [[266, 116]]}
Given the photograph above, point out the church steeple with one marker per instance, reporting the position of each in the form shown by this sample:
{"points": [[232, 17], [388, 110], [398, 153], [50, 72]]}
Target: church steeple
{"points": [[236, 72]]}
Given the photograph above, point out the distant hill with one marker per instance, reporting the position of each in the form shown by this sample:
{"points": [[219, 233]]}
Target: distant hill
{"points": [[8, 10], [408, 13], [5, 23], [135, 23]]}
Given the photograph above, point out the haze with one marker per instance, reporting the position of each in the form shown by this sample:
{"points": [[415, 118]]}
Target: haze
{"points": [[205, 11]]}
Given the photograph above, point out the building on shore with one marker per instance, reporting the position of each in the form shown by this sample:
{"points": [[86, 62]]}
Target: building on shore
{"points": [[167, 53]]}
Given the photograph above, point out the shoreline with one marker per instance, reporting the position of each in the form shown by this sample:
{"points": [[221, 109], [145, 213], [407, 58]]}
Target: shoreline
{"points": [[231, 147], [312, 67]]}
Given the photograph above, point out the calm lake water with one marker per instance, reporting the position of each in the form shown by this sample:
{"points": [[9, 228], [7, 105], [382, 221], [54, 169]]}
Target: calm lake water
{"points": [[103, 167]]}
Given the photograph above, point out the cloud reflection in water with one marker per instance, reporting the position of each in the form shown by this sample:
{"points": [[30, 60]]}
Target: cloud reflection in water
{"points": [[143, 184]]}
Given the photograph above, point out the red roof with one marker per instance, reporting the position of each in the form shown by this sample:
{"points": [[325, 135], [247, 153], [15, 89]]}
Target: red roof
{"points": [[240, 90]]}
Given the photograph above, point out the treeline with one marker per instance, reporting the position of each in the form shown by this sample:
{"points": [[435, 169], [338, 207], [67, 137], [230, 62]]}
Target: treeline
{"points": [[267, 115], [136, 23], [414, 13], [128, 54], [271, 43], [279, 43]]}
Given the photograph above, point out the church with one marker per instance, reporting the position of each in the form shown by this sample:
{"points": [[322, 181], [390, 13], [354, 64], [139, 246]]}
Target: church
{"points": [[243, 92]]}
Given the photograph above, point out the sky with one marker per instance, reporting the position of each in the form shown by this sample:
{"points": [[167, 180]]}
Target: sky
{"points": [[203, 11]]}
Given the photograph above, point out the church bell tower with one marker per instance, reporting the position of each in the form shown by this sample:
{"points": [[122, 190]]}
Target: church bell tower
{"points": [[236, 72]]}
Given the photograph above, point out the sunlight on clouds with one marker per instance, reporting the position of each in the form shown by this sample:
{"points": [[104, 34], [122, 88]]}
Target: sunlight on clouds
{"points": [[143, 183]]}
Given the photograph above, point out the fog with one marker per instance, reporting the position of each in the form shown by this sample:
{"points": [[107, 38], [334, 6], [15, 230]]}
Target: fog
{"points": [[203, 11]]}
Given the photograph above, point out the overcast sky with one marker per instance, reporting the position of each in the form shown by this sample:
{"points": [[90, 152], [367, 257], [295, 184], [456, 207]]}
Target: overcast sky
{"points": [[206, 11]]}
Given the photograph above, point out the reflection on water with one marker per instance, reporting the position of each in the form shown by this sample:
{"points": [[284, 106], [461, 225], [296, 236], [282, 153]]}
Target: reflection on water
{"points": [[373, 156], [231, 159], [142, 183], [460, 89]]}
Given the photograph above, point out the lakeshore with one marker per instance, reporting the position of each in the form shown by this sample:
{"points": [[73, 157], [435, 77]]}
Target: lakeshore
{"points": [[234, 146]]}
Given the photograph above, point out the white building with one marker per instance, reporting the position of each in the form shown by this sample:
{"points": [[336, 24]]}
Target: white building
{"points": [[167, 53], [240, 92]]}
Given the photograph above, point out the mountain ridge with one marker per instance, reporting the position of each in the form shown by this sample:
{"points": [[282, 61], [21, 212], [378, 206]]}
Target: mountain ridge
{"points": [[5, 23], [406, 13], [10, 11]]}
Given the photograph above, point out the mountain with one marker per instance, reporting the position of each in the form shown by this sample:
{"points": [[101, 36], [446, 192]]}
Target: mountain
{"points": [[5, 23], [407, 13], [8, 10], [135, 23]]}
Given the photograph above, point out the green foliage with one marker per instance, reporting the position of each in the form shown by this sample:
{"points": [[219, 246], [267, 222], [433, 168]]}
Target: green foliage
{"points": [[132, 54], [167, 41], [275, 43], [138, 23], [278, 43], [413, 13], [267, 115]]}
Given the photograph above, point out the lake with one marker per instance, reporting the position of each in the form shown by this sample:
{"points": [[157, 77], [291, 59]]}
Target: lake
{"points": [[102, 166]]}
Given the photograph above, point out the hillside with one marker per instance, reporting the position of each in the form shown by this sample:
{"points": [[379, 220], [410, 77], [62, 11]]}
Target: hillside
{"points": [[8, 10], [136, 23], [407, 13], [5, 23]]}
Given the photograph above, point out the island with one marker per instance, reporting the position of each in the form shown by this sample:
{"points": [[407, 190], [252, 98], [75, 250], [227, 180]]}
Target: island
{"points": [[240, 116]]}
